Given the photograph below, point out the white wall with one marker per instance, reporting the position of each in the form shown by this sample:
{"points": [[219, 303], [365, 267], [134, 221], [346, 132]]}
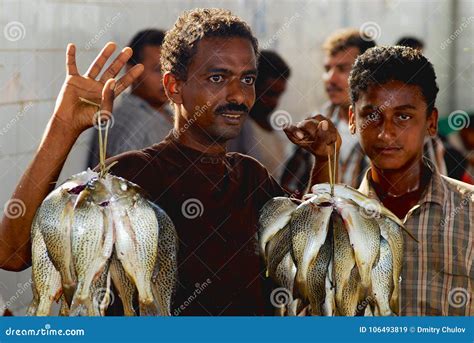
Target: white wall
{"points": [[32, 67]]}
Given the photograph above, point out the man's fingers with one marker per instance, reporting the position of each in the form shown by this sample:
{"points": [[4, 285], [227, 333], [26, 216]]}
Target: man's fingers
{"points": [[117, 64], [71, 67], [101, 60], [128, 78], [323, 125], [108, 96]]}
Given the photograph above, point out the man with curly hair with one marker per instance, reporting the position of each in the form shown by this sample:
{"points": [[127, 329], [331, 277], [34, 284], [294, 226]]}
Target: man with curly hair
{"points": [[393, 92], [209, 65]]}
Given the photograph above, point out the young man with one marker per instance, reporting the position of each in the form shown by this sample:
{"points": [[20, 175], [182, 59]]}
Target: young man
{"points": [[209, 68], [393, 92], [259, 137], [142, 116], [341, 49]]}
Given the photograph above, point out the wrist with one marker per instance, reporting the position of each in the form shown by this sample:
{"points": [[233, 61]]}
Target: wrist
{"points": [[58, 125]]}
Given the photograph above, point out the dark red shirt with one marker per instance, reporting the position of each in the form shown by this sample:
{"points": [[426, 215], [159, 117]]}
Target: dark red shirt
{"points": [[214, 202]]}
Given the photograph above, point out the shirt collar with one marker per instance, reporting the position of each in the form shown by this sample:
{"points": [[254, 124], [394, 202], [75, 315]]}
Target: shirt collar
{"points": [[435, 192]]}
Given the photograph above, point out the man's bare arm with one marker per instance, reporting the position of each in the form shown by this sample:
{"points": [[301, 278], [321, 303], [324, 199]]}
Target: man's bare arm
{"points": [[70, 118]]}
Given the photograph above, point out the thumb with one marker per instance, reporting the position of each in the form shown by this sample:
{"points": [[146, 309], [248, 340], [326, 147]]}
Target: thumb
{"points": [[108, 96]]}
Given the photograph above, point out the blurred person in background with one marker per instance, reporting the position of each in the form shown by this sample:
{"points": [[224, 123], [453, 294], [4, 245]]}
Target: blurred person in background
{"points": [[341, 50], [142, 116], [260, 136], [411, 42], [462, 141]]}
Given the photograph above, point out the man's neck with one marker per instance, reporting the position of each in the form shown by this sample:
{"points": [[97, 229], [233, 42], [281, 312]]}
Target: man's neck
{"points": [[196, 141], [157, 106], [343, 113], [400, 190]]}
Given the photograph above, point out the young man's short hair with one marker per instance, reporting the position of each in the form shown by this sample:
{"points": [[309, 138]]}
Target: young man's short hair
{"points": [[141, 40], [347, 38], [180, 44], [380, 65]]}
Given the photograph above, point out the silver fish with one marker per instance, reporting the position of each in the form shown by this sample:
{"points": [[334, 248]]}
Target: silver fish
{"points": [[136, 229], [165, 274], [309, 228], [382, 281], [54, 218], [92, 243], [364, 235], [274, 216], [46, 279], [124, 286], [392, 233]]}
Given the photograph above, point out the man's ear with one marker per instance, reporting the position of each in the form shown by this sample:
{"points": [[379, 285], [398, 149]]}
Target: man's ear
{"points": [[352, 120], [173, 88], [432, 122]]}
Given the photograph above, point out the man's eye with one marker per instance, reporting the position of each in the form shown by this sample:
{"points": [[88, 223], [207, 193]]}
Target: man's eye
{"points": [[249, 80], [404, 117], [216, 78]]}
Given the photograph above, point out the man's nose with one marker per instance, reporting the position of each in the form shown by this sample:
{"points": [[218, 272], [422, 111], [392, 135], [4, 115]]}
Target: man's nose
{"points": [[235, 92]]}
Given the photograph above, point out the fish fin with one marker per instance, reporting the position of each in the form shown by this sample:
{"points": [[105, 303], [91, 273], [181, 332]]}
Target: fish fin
{"points": [[149, 309]]}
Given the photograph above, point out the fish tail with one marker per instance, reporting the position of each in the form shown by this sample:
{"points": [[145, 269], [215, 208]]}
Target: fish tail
{"points": [[33, 307], [162, 303], [68, 292], [149, 309], [44, 306], [82, 307]]}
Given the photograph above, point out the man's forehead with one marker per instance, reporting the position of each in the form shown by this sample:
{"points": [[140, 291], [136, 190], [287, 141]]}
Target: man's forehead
{"points": [[230, 53], [389, 95], [345, 56]]}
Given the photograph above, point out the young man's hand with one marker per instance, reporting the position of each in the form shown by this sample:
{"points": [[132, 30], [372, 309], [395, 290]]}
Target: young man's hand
{"points": [[316, 134], [71, 112]]}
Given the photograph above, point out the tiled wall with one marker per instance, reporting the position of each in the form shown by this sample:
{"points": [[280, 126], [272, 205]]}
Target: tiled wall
{"points": [[32, 60]]}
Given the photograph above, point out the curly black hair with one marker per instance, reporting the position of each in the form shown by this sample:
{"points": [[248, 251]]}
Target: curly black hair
{"points": [[382, 64], [181, 42]]}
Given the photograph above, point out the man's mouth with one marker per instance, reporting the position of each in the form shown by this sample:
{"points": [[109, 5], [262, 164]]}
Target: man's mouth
{"points": [[388, 149], [232, 118], [333, 90], [230, 115]]}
